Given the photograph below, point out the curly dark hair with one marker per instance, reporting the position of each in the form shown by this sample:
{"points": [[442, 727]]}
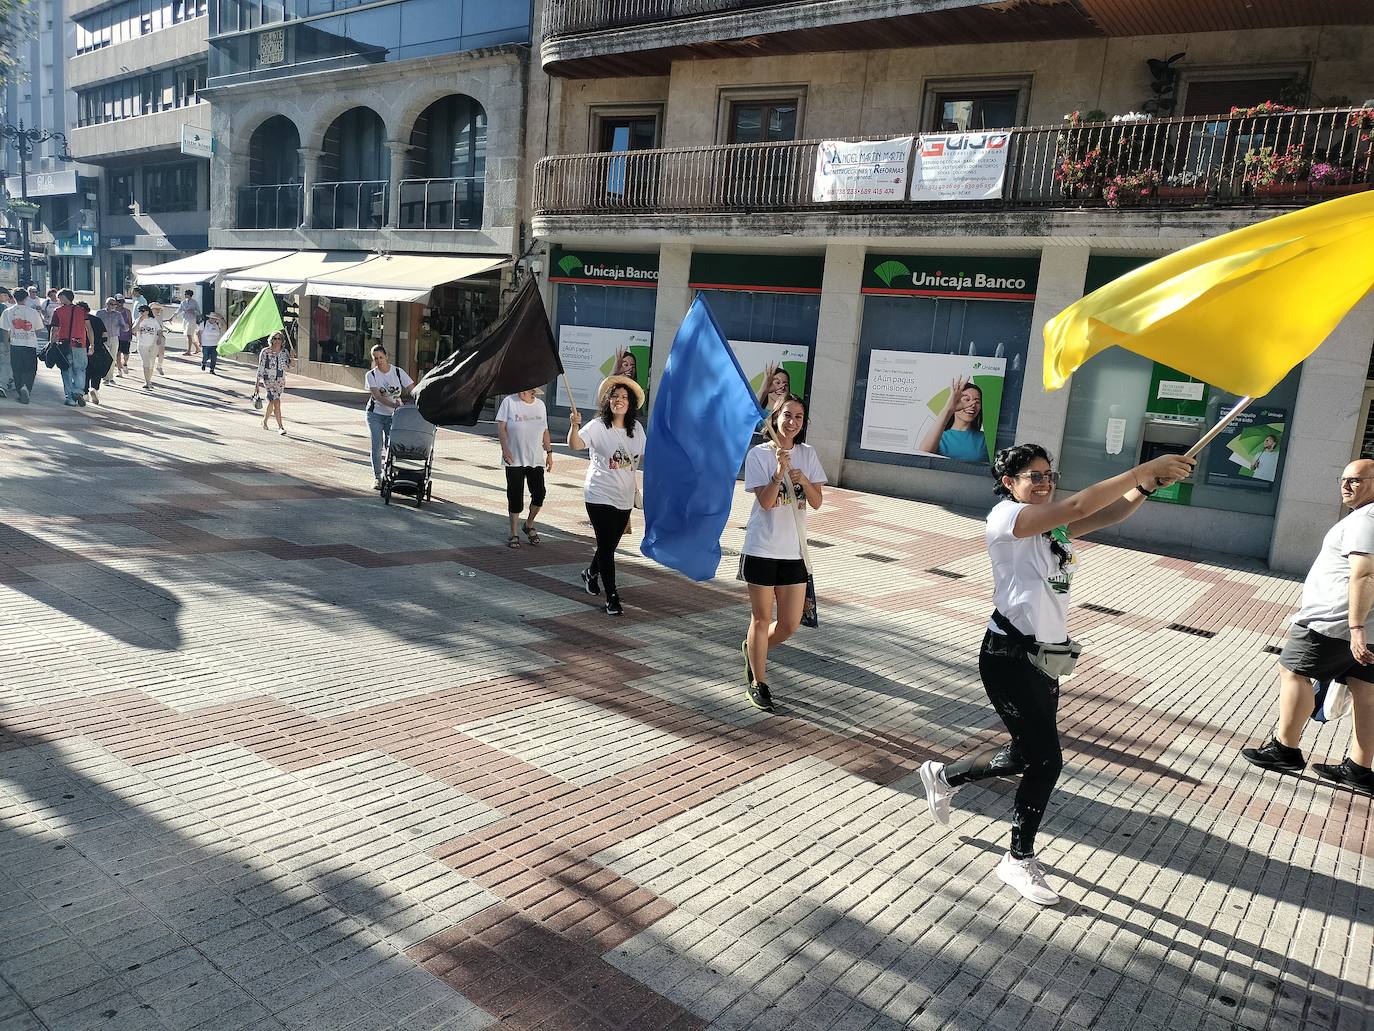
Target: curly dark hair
{"points": [[1012, 461], [631, 412]]}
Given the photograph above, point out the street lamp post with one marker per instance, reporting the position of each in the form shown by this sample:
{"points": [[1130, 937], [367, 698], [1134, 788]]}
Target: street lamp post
{"points": [[23, 141]]}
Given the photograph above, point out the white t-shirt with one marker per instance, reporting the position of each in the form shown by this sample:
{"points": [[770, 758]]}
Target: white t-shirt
{"points": [[189, 310], [210, 334], [1028, 585], [1325, 605], [22, 324], [1266, 466], [146, 332], [526, 425], [610, 476], [772, 532], [390, 383]]}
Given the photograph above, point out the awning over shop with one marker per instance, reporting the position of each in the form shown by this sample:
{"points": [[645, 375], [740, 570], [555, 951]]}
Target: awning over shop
{"points": [[206, 265], [289, 274], [399, 277]]}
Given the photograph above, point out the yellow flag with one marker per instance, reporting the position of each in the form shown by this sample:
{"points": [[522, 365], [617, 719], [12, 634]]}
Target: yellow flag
{"points": [[1238, 311]]}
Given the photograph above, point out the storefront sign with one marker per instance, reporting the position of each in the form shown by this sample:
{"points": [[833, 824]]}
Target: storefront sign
{"points": [[873, 170], [80, 244], [941, 405], [771, 368], [947, 275], [1248, 451], [605, 268], [591, 353], [197, 142], [44, 184], [960, 166], [765, 273]]}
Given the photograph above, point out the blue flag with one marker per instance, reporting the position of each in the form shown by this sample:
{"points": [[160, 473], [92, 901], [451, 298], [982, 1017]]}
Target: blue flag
{"points": [[703, 417]]}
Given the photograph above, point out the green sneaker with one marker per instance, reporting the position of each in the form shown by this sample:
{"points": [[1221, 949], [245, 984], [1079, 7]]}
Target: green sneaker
{"points": [[759, 696]]}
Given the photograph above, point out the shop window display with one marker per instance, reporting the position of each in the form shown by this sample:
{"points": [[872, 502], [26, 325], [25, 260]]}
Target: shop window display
{"points": [[343, 330], [456, 314]]}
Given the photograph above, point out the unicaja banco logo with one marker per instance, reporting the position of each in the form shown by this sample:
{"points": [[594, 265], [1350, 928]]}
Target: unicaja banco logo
{"points": [[569, 263], [889, 271]]}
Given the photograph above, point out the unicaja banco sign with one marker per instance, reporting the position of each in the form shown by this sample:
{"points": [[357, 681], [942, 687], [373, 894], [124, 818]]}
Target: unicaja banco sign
{"points": [[930, 275], [603, 267]]}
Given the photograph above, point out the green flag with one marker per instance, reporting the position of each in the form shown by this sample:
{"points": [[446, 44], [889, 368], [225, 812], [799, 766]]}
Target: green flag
{"points": [[261, 318]]}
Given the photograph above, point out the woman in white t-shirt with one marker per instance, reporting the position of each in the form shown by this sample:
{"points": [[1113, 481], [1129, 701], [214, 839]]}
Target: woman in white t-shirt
{"points": [[149, 340], [387, 386], [522, 424], [785, 476], [615, 440], [1033, 562]]}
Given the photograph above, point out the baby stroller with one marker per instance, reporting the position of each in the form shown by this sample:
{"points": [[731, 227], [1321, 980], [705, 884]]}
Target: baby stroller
{"points": [[409, 457]]}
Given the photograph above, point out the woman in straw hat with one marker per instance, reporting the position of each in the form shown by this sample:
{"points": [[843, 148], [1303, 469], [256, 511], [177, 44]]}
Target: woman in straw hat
{"points": [[615, 440]]}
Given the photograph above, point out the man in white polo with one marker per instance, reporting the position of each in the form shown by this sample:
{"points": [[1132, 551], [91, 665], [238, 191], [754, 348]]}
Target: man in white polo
{"points": [[1329, 642]]}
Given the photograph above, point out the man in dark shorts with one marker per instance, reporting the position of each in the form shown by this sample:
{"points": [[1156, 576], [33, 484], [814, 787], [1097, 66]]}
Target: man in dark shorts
{"points": [[1329, 642]]}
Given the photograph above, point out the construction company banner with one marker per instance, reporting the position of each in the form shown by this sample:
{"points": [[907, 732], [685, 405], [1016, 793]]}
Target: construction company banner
{"points": [[951, 275], [603, 268], [871, 170], [960, 166], [590, 354], [941, 405]]}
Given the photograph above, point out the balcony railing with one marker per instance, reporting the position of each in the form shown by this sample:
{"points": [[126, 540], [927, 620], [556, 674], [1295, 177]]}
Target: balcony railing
{"points": [[1237, 159], [442, 203], [356, 205], [279, 206], [566, 17]]}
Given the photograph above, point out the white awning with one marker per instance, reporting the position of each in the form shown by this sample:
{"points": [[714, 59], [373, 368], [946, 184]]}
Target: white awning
{"points": [[206, 265], [399, 277], [289, 274]]}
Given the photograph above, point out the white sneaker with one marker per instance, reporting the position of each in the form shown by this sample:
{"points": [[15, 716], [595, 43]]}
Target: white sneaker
{"points": [[938, 793], [1027, 877]]}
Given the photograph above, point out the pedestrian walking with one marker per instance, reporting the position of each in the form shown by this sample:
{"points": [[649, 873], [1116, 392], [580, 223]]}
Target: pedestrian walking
{"points": [[48, 306], [522, 424], [101, 359], [148, 339], [387, 386], [124, 334], [1026, 647], [189, 313], [69, 329], [615, 442], [273, 363], [209, 336], [20, 323], [785, 475], [6, 371], [1328, 642]]}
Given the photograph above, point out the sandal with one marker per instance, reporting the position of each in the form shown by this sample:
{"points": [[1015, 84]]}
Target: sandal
{"points": [[533, 535], [514, 542]]}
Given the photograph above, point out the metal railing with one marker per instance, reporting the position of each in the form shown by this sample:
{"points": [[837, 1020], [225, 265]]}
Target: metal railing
{"points": [[566, 17], [1240, 158], [442, 203], [356, 205], [278, 206]]}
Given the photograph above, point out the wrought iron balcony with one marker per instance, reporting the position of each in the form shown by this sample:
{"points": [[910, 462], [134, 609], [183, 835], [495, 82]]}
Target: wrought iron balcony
{"points": [[570, 16], [1244, 158]]}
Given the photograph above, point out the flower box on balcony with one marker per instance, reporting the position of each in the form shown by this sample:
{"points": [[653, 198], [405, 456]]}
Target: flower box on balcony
{"points": [[1181, 192], [1298, 189], [1338, 189]]}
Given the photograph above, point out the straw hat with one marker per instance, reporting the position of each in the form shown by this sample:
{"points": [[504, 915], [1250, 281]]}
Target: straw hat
{"points": [[620, 381]]}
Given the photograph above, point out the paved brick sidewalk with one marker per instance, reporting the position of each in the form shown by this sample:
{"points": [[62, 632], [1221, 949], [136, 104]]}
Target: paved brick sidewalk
{"points": [[275, 755]]}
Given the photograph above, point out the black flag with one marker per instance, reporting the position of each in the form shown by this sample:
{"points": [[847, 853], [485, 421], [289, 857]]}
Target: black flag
{"points": [[516, 352]]}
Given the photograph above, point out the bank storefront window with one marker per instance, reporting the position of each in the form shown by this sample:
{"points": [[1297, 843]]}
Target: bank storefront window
{"points": [[942, 359], [604, 308], [1124, 408], [769, 307]]}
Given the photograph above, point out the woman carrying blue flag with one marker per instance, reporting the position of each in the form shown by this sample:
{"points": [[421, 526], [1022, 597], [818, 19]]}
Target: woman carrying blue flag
{"points": [[615, 442], [786, 476]]}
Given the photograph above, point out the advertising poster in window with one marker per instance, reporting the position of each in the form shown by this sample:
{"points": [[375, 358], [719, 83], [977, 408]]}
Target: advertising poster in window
{"points": [[590, 354], [941, 405], [960, 166], [1248, 451], [872, 170], [773, 369]]}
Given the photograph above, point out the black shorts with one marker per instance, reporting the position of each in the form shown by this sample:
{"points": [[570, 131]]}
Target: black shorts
{"points": [[516, 478], [1310, 654], [124, 346], [773, 572]]}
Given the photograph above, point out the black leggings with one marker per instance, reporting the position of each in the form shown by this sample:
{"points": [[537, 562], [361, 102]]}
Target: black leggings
{"points": [[516, 477], [608, 523], [1027, 700]]}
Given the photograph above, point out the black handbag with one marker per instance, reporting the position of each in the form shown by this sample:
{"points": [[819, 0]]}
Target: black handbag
{"points": [[54, 355]]}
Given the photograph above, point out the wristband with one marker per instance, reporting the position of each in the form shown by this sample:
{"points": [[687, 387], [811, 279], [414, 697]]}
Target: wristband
{"points": [[1143, 492], [1355, 627]]}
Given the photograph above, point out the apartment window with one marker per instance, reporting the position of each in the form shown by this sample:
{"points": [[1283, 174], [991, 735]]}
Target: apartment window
{"points": [[1218, 96], [762, 121], [972, 105], [616, 133], [144, 94], [119, 192], [170, 188]]}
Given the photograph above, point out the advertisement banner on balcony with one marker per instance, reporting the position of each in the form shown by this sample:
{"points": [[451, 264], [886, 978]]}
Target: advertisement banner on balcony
{"points": [[941, 405], [871, 170], [960, 166], [591, 353], [773, 368]]}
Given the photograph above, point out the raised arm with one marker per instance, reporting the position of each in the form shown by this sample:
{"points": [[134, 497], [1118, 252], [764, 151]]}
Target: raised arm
{"points": [[1034, 520]]}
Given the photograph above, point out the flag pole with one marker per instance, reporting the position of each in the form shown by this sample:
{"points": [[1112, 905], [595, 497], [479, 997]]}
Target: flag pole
{"points": [[572, 402], [1226, 420]]}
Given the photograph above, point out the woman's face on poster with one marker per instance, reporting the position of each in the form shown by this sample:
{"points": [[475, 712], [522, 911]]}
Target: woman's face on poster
{"points": [[627, 366], [779, 384], [970, 403]]}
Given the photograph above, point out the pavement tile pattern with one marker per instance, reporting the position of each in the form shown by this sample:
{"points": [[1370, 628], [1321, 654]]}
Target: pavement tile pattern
{"points": [[275, 755]]}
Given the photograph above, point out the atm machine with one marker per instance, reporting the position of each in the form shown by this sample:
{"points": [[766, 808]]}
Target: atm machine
{"points": [[1169, 435]]}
